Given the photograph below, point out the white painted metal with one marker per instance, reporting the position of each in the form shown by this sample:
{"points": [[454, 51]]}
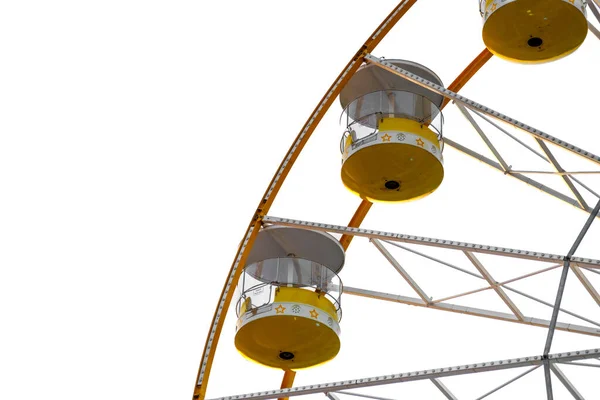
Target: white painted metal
{"points": [[417, 375], [560, 170], [432, 242], [486, 140], [477, 312], [586, 283], [401, 271], [565, 381], [475, 261], [508, 382], [438, 383]]}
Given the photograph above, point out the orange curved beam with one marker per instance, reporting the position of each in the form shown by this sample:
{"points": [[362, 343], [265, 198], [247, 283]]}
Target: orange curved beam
{"points": [[459, 82], [273, 188]]}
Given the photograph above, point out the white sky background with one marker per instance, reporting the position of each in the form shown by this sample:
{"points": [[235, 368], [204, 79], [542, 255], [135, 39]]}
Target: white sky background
{"points": [[136, 139]]}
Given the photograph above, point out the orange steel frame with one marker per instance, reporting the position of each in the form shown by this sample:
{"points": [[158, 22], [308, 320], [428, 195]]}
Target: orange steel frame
{"points": [[267, 200]]}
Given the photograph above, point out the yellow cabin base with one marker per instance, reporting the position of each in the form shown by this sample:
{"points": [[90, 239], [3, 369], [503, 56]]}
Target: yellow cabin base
{"points": [[292, 333], [402, 163], [534, 31]]}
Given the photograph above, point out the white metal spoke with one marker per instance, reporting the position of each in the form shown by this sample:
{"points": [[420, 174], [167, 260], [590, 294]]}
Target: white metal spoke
{"points": [[508, 382], [486, 140], [498, 284], [563, 278], [551, 305], [418, 375], [401, 271], [443, 389], [586, 283], [556, 173], [472, 104], [594, 30], [432, 242], [477, 312], [364, 396], [521, 177], [510, 135], [582, 364], [475, 261], [559, 169], [434, 259], [565, 381], [332, 396]]}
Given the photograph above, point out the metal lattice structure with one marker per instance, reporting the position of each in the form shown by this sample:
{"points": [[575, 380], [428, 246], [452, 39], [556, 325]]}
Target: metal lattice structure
{"points": [[383, 242]]}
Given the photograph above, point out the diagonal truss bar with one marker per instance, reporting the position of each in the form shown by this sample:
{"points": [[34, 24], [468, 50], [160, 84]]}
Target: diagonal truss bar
{"points": [[474, 105], [443, 389], [484, 272], [566, 382], [522, 178], [508, 382], [477, 312], [487, 141], [418, 375], [594, 30], [513, 137], [560, 170], [586, 283], [364, 396], [432, 242], [518, 278], [401, 271], [563, 278]]}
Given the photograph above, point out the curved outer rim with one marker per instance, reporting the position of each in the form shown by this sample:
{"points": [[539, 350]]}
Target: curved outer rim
{"points": [[280, 175]]}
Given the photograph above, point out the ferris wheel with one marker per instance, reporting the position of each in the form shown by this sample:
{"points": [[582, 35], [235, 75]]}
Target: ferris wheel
{"points": [[286, 284]]}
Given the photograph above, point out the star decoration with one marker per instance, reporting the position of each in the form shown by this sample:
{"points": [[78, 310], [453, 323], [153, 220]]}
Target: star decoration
{"points": [[280, 309], [494, 7], [572, 1], [420, 142], [386, 138], [314, 313]]}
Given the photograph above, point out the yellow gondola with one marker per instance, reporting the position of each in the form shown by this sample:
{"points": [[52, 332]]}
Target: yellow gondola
{"points": [[392, 149], [289, 299], [533, 31]]}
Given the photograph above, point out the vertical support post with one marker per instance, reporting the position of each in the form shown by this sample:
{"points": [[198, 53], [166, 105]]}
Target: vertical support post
{"points": [[287, 381]]}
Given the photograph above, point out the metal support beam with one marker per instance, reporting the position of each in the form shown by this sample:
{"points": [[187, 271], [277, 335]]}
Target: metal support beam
{"points": [[563, 278], [484, 272], [565, 381], [560, 170], [508, 382], [443, 389], [481, 108], [486, 140], [586, 283], [418, 375], [431, 242], [477, 312], [401, 271], [522, 178]]}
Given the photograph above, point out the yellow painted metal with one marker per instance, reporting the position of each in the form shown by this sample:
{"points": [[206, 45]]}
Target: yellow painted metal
{"points": [[266, 201], [287, 381], [534, 31], [357, 219], [311, 342], [417, 170]]}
